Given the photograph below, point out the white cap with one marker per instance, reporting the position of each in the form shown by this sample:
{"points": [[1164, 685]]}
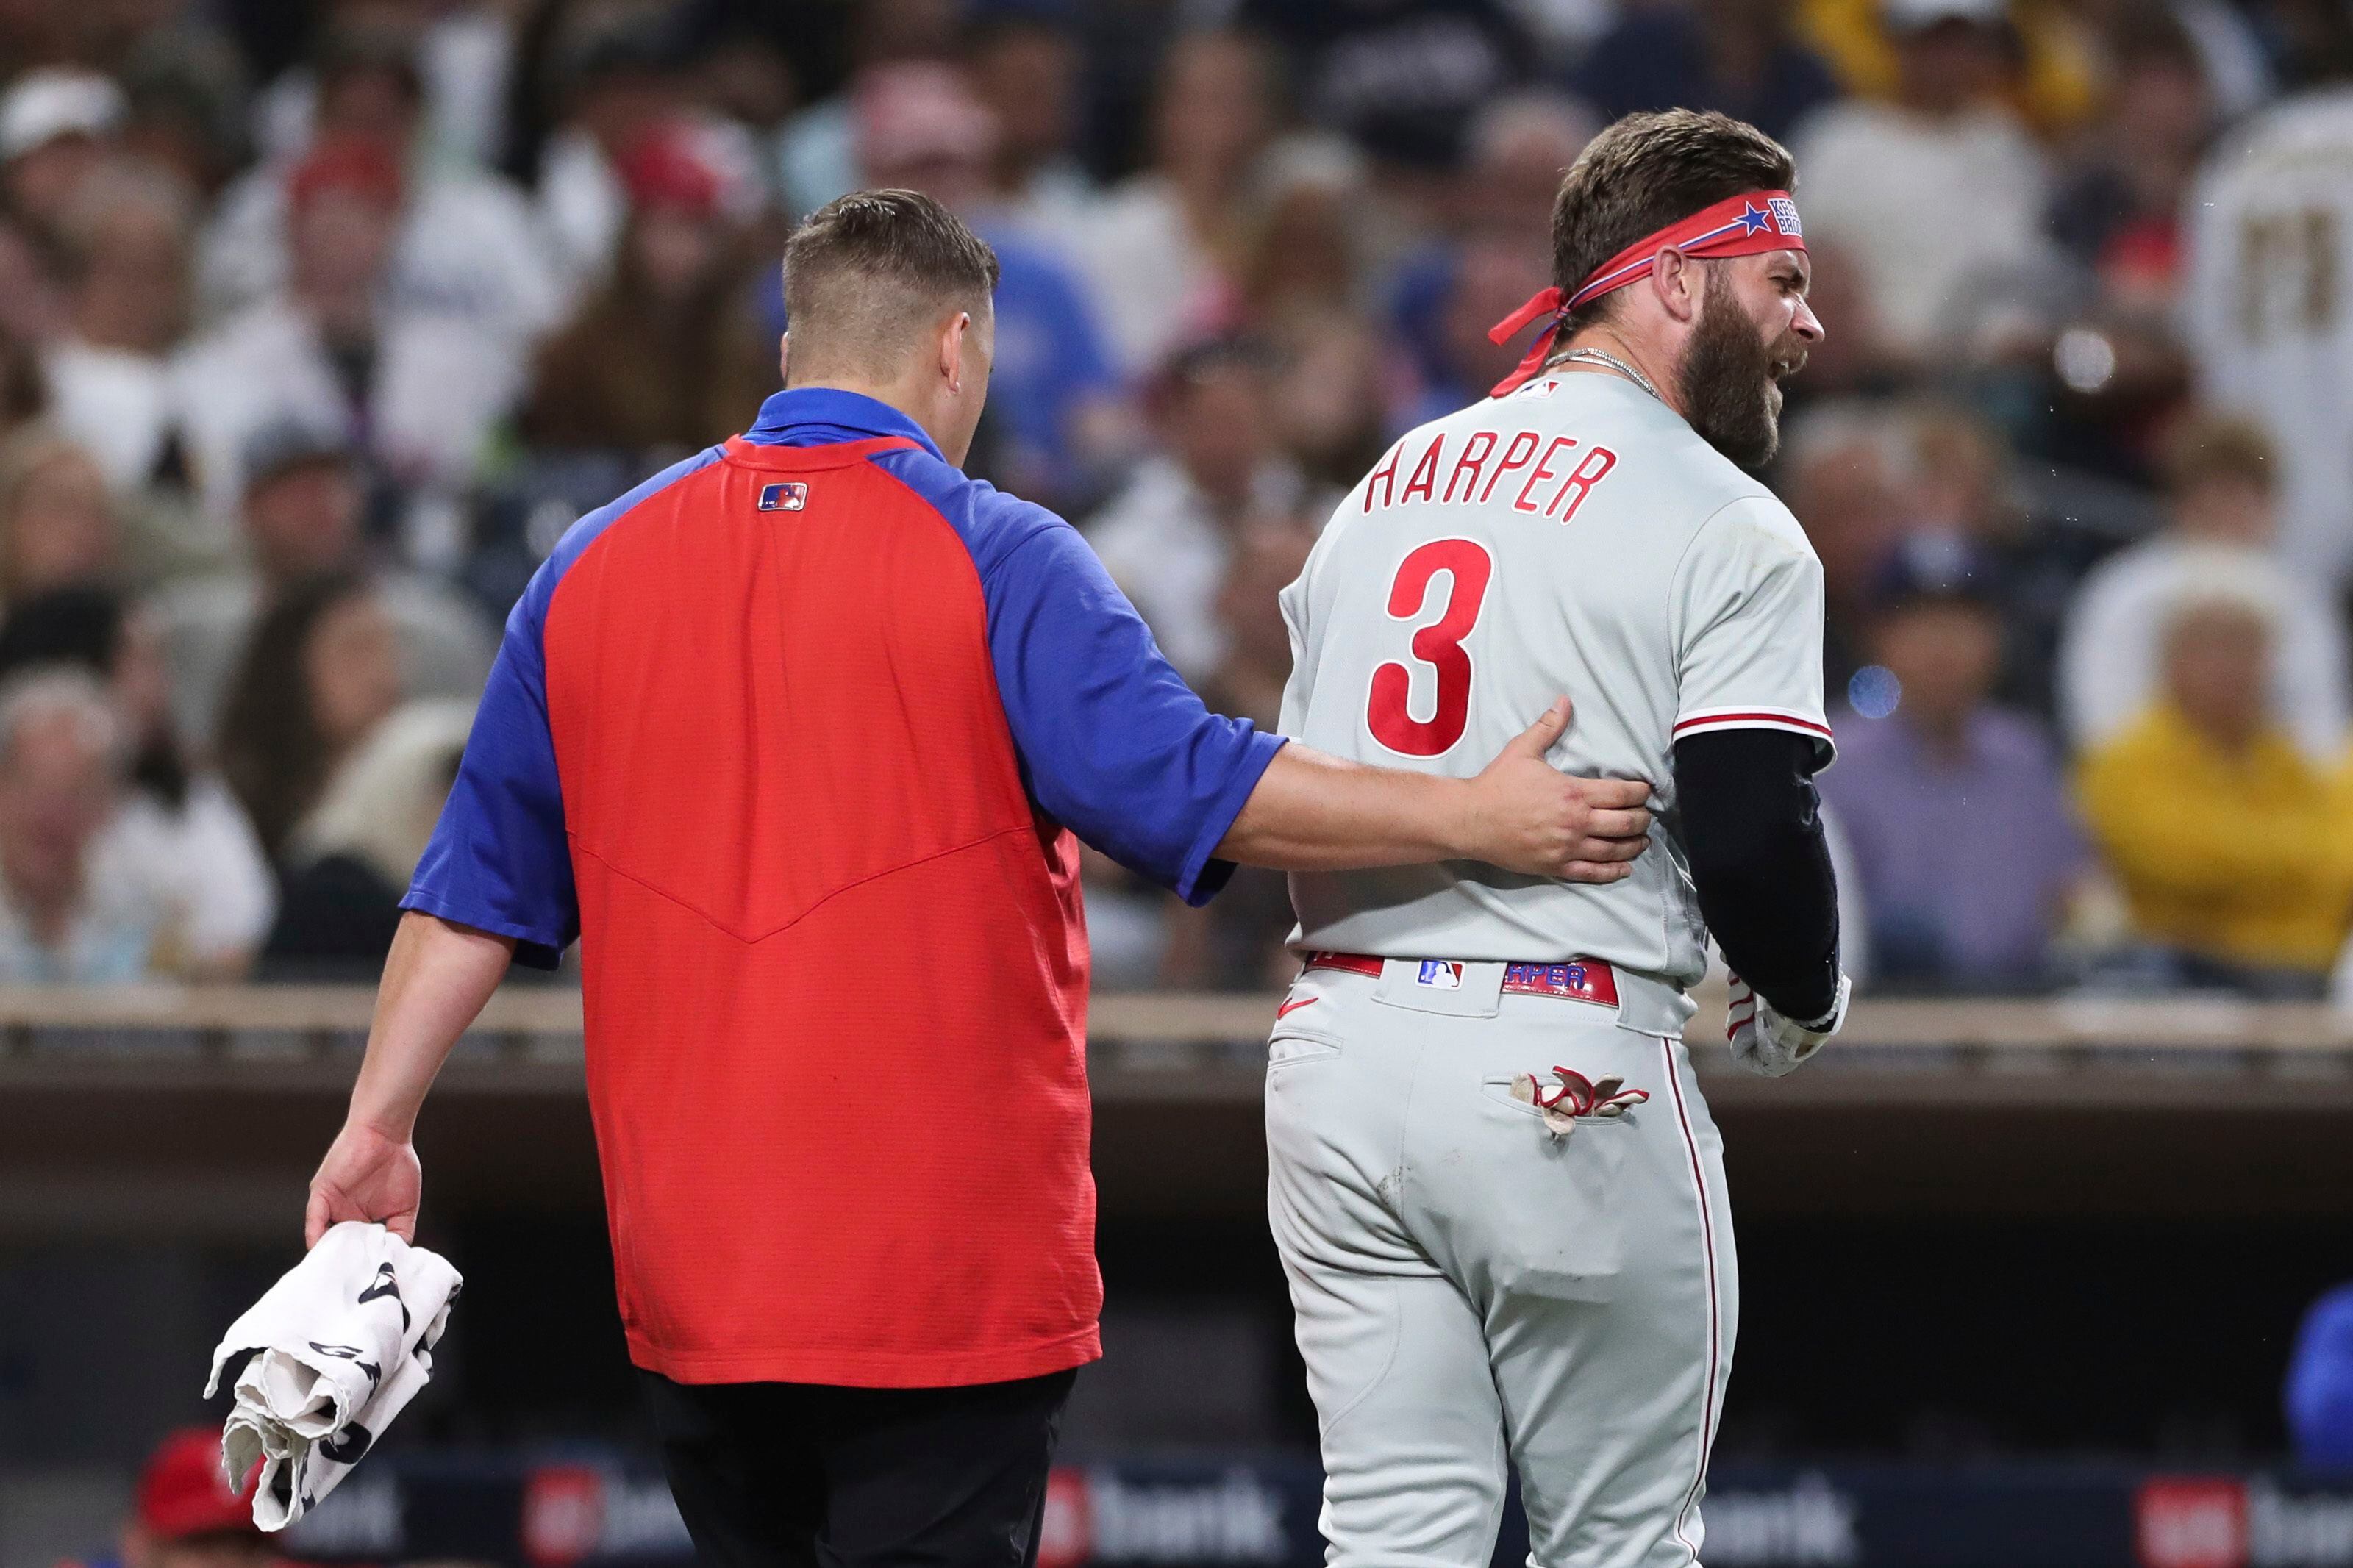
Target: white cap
{"points": [[42, 105], [1911, 16]]}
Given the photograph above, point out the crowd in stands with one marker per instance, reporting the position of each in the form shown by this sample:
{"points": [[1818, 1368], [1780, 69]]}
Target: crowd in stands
{"points": [[320, 322]]}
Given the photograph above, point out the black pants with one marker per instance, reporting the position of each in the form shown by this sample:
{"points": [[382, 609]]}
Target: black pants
{"points": [[774, 1474]]}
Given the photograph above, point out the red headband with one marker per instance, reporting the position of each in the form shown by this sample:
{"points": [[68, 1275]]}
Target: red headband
{"points": [[1744, 225]]}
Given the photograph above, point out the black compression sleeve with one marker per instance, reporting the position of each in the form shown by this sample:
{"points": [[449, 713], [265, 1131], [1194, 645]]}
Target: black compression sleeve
{"points": [[1753, 828]]}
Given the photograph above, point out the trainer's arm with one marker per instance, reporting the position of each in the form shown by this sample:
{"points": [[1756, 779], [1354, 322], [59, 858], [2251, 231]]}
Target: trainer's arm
{"points": [[1753, 829], [436, 981], [1314, 812], [1115, 746]]}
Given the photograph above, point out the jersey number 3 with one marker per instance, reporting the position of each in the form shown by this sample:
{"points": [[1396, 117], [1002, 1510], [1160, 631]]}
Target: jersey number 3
{"points": [[1438, 644]]}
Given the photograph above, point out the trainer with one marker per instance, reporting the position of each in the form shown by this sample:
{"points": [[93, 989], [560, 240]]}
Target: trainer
{"points": [[795, 738]]}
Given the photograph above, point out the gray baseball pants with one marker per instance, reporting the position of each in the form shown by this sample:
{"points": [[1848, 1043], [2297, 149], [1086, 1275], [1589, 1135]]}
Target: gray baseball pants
{"points": [[1472, 1290]]}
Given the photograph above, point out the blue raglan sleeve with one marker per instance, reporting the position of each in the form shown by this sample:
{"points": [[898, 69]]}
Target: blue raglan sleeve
{"points": [[1118, 746], [498, 860]]}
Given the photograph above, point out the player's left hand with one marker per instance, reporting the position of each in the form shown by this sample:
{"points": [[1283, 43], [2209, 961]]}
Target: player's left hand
{"points": [[1770, 1044]]}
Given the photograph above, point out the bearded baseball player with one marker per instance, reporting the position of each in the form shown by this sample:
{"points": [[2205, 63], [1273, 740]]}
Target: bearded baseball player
{"points": [[1495, 1187]]}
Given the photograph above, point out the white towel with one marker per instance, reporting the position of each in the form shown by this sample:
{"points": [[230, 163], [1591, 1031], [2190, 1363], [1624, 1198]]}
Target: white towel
{"points": [[339, 1345]]}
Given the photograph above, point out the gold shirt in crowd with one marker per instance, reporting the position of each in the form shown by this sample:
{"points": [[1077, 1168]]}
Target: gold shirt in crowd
{"points": [[2244, 857]]}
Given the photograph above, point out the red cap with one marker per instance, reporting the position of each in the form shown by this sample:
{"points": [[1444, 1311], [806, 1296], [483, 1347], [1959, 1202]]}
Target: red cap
{"points": [[182, 1493], [660, 169], [351, 164]]}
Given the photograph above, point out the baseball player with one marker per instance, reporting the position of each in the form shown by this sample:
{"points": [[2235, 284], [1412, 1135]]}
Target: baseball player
{"points": [[2268, 313], [1495, 1188]]}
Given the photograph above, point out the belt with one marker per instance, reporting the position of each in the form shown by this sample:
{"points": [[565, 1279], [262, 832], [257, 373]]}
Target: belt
{"points": [[1579, 980]]}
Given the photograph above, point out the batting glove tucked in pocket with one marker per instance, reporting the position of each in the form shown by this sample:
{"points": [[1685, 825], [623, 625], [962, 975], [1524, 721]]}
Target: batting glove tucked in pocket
{"points": [[1770, 1044]]}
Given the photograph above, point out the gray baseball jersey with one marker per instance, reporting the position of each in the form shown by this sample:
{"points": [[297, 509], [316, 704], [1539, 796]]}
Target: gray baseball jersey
{"points": [[1576, 536]]}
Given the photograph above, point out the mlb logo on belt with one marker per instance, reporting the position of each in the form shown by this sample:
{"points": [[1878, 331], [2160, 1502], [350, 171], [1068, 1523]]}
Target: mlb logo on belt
{"points": [[1444, 975], [788, 497]]}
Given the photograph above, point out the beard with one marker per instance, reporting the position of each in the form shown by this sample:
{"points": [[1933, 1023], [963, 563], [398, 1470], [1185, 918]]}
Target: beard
{"points": [[1731, 378]]}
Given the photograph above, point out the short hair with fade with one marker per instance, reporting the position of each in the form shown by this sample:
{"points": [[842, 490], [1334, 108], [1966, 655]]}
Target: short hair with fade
{"points": [[864, 270], [1643, 173]]}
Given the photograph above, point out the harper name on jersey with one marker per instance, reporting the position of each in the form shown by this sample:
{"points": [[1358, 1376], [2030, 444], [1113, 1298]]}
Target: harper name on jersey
{"points": [[1576, 536], [1476, 471]]}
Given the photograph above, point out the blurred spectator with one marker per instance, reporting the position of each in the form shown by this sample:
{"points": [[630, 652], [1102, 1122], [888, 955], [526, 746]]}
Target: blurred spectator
{"points": [[2320, 1394], [2260, 898], [186, 1515], [349, 860], [1955, 815], [32, 308], [1478, 285], [62, 760], [186, 87], [462, 52], [2269, 235], [320, 673], [126, 272], [1164, 250], [1308, 250], [1330, 397], [302, 518], [620, 83], [668, 355], [1025, 60], [1168, 538], [1254, 664], [1935, 191], [1400, 78], [55, 125], [1054, 414], [817, 155], [58, 523], [2220, 478], [177, 829], [1838, 472], [1519, 147], [1498, 253], [468, 244], [1237, 944], [2054, 52], [2118, 211], [1958, 501], [420, 387], [1737, 55]]}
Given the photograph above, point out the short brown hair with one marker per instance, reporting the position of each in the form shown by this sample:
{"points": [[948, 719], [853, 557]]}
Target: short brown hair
{"points": [[863, 269], [1645, 171], [2219, 447]]}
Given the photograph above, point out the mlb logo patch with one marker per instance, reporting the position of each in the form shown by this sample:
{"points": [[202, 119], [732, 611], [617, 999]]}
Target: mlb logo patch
{"points": [[1785, 216], [788, 497], [1439, 974]]}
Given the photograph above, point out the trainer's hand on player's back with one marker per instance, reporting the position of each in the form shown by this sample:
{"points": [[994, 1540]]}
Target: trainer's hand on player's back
{"points": [[367, 1176], [1529, 816]]}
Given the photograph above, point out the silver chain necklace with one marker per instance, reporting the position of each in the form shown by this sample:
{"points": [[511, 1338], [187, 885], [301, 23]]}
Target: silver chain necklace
{"points": [[1609, 361]]}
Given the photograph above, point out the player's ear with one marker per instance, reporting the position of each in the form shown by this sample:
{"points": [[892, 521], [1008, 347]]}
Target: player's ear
{"points": [[951, 346], [1675, 280], [784, 360]]}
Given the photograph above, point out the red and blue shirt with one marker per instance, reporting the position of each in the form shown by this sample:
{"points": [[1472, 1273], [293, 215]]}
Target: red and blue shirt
{"points": [[793, 739]]}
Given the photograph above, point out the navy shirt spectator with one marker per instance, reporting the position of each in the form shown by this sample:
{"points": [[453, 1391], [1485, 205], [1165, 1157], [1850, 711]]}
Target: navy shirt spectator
{"points": [[1737, 55], [1954, 809]]}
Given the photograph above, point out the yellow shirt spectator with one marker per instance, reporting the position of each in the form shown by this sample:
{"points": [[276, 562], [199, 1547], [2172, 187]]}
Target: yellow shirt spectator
{"points": [[2059, 72], [2244, 855]]}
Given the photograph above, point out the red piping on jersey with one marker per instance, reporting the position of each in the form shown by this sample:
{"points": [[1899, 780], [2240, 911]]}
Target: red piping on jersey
{"points": [[1805, 724], [1714, 1327]]}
